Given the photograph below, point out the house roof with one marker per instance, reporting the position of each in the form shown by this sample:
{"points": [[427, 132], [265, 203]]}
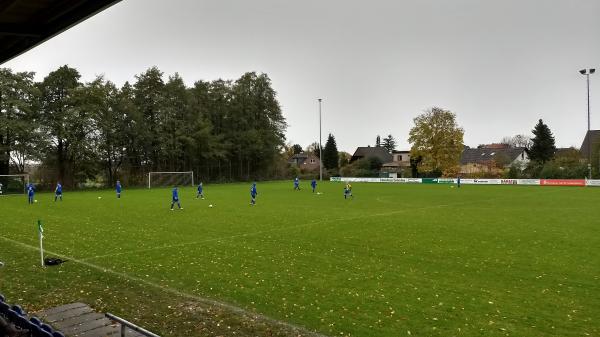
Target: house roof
{"points": [[594, 135], [376, 151], [485, 155], [26, 23]]}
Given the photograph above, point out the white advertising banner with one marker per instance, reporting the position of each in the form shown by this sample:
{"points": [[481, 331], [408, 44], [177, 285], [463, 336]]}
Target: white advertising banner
{"points": [[592, 183], [528, 181]]}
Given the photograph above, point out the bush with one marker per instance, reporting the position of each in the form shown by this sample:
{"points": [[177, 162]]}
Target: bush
{"points": [[361, 168]]}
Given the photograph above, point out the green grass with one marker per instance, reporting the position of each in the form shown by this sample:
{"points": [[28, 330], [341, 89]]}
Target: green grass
{"points": [[423, 260]]}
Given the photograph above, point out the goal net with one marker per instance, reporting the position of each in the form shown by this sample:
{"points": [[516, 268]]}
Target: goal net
{"points": [[13, 184], [164, 179]]}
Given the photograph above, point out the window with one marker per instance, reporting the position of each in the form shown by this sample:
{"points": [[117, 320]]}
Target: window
{"points": [[312, 161], [400, 158]]}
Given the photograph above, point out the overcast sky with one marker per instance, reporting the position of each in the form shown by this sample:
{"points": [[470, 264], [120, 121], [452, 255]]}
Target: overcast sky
{"points": [[499, 65]]}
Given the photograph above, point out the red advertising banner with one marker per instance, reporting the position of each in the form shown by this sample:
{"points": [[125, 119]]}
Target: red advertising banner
{"points": [[562, 182]]}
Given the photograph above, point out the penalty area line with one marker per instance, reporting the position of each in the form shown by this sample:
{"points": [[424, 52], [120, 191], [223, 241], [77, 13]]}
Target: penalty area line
{"points": [[207, 301]]}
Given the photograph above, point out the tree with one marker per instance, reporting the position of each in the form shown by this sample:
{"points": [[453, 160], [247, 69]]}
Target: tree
{"points": [[415, 161], [542, 148], [148, 99], [437, 138], [297, 148], [517, 141], [344, 158], [65, 125], [110, 122], [389, 143], [330, 154], [18, 120], [378, 141], [314, 149]]}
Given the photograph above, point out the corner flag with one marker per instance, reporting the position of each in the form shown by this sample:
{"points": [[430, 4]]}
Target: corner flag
{"points": [[40, 229], [41, 234]]}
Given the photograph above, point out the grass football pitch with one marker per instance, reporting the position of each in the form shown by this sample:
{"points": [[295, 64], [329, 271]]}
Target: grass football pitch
{"points": [[396, 260]]}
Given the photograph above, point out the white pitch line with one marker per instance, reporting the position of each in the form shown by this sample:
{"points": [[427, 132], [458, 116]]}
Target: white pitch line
{"points": [[230, 307]]}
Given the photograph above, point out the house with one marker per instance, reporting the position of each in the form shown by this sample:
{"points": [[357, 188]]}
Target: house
{"points": [[367, 152], [305, 161], [492, 158], [594, 136], [400, 163]]}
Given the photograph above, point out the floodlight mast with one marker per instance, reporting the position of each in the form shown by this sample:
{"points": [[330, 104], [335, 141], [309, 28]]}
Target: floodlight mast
{"points": [[320, 146], [587, 73]]}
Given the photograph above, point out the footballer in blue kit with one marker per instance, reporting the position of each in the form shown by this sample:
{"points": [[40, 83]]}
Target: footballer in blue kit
{"points": [[296, 184], [175, 198], [58, 192], [30, 193], [253, 194], [313, 184], [119, 189], [200, 193]]}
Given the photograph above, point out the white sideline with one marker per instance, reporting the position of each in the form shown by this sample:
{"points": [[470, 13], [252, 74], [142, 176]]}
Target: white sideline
{"points": [[204, 300]]}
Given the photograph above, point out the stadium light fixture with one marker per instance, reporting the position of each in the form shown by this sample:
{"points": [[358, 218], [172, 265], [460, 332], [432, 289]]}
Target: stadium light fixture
{"points": [[320, 146], [587, 73]]}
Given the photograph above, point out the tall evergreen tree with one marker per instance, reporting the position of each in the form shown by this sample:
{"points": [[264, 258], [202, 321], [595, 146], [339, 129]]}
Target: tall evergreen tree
{"points": [[389, 143], [330, 153], [543, 147]]}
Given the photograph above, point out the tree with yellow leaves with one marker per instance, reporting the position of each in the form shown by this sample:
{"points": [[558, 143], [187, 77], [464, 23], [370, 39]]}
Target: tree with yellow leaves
{"points": [[437, 138]]}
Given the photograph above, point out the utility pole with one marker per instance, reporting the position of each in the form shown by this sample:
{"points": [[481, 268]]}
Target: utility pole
{"points": [[320, 146], [587, 73]]}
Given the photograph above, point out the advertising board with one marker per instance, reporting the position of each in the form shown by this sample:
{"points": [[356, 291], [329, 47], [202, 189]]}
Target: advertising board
{"points": [[562, 182]]}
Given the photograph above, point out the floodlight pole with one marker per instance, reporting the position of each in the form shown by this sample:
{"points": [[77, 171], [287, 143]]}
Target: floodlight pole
{"points": [[587, 73], [320, 146]]}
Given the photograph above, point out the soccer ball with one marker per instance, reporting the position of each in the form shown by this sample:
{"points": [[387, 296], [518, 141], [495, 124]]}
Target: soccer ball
{"points": [[99, 197], [35, 200], [210, 205]]}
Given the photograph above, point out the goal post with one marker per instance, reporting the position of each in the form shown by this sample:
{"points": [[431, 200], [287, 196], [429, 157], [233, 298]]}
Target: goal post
{"points": [[13, 184], [163, 179]]}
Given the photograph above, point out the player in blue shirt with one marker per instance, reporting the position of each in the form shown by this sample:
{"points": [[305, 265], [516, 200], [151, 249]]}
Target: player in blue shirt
{"points": [[175, 198], [458, 182], [58, 192], [296, 184], [30, 193], [119, 189], [313, 184], [200, 193], [253, 194], [348, 191]]}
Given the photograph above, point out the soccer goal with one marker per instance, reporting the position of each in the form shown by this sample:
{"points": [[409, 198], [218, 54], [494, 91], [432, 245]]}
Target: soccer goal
{"points": [[13, 184], [163, 179]]}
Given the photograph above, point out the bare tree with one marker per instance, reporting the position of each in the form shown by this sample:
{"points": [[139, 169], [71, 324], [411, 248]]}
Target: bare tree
{"points": [[517, 141]]}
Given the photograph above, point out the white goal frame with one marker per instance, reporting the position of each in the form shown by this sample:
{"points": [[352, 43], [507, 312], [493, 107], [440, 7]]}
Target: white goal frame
{"points": [[162, 172], [25, 178]]}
